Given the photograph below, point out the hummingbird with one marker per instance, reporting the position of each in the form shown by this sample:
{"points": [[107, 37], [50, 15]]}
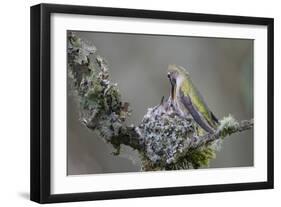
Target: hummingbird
{"points": [[188, 100]]}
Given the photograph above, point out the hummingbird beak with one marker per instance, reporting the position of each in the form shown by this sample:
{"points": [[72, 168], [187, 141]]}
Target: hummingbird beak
{"points": [[173, 84]]}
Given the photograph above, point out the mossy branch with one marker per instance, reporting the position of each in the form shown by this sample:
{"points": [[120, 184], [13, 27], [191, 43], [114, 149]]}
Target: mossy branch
{"points": [[164, 139], [227, 127]]}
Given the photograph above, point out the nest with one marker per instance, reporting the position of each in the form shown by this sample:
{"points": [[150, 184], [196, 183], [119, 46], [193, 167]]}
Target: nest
{"points": [[168, 140]]}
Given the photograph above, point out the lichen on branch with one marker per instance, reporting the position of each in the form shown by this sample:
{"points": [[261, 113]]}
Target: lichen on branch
{"points": [[164, 139]]}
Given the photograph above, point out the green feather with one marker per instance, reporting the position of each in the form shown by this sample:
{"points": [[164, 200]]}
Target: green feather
{"points": [[189, 89]]}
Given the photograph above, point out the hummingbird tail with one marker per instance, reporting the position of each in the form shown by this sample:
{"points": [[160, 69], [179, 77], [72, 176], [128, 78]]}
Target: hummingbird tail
{"points": [[214, 118]]}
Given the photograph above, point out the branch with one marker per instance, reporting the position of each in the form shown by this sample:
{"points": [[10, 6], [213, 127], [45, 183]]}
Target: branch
{"points": [[227, 127], [164, 139]]}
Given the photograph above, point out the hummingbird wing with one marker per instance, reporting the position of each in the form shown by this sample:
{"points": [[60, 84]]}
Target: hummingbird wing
{"points": [[213, 117], [210, 117], [186, 100]]}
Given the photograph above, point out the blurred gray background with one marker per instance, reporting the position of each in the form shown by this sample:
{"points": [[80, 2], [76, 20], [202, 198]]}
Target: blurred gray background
{"points": [[222, 70]]}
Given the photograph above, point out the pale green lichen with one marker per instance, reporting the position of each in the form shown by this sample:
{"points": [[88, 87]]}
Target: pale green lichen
{"points": [[100, 105], [227, 126]]}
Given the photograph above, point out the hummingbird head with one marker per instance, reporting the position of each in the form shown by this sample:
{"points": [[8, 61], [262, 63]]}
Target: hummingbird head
{"points": [[176, 74]]}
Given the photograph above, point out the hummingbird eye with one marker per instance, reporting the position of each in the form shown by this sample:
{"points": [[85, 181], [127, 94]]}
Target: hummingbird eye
{"points": [[172, 75]]}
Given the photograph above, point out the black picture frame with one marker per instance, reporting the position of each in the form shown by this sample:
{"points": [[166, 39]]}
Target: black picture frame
{"points": [[40, 102]]}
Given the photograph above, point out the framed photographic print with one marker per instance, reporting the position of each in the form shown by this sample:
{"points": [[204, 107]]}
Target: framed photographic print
{"points": [[132, 103]]}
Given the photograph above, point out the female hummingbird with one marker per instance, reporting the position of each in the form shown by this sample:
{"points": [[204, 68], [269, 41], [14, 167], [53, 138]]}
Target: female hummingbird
{"points": [[187, 98]]}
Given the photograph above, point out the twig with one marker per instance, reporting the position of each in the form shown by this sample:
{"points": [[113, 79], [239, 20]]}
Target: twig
{"points": [[223, 132]]}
